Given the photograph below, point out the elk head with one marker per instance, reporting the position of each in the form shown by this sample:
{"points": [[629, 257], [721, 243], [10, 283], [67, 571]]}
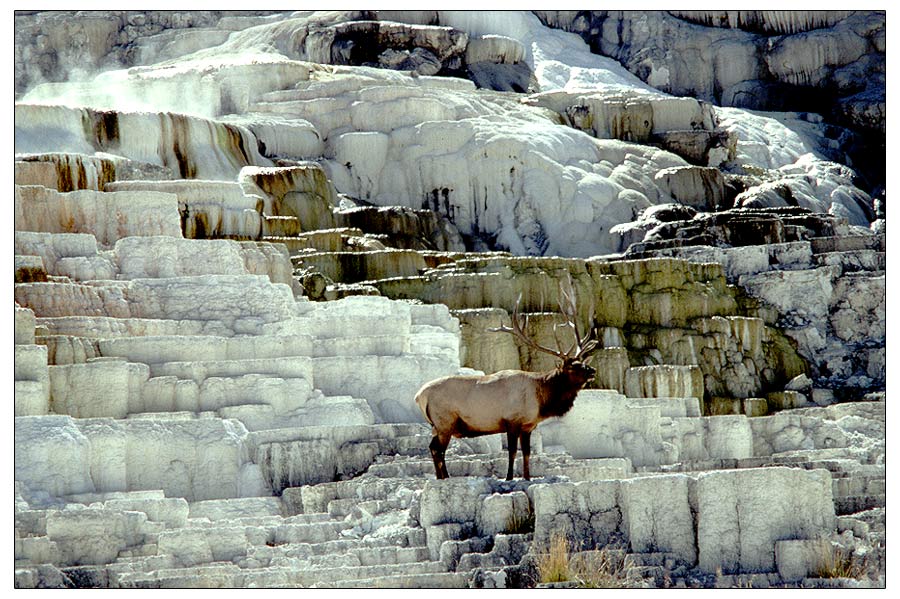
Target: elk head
{"points": [[572, 372], [573, 361]]}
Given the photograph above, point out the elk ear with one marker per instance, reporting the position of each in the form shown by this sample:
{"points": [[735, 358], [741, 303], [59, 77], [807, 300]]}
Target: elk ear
{"points": [[588, 359]]}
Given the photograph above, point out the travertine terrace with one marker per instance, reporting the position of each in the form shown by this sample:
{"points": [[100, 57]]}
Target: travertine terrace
{"points": [[244, 240]]}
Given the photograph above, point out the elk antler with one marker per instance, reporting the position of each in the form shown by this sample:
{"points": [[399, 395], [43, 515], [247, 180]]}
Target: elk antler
{"points": [[581, 346], [569, 309], [518, 329]]}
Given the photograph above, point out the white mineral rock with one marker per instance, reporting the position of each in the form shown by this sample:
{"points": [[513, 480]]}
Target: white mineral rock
{"points": [[774, 502], [24, 326], [107, 216], [53, 455], [657, 515]]}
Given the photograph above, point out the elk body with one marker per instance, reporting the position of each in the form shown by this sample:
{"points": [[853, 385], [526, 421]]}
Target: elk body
{"points": [[510, 401]]}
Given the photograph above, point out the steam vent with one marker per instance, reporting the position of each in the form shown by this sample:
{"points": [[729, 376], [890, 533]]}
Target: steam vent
{"points": [[244, 240]]}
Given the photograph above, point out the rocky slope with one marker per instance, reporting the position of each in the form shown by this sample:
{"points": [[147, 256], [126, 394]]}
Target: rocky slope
{"points": [[243, 241], [827, 62]]}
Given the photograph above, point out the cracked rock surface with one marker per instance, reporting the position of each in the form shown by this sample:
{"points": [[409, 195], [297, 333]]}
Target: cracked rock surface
{"points": [[245, 239]]}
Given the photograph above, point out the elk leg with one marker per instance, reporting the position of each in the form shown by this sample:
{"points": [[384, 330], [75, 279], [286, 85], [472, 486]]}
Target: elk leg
{"points": [[444, 472], [512, 438], [526, 454], [438, 447]]}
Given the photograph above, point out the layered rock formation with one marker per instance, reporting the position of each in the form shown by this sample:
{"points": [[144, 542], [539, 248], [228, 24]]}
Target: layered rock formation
{"points": [[746, 58], [473, 161], [810, 271], [243, 246], [829, 62]]}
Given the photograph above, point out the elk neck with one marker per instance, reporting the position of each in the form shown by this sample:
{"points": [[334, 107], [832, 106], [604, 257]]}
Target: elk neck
{"points": [[558, 393]]}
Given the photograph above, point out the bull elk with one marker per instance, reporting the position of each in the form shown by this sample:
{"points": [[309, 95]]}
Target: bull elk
{"points": [[510, 401]]}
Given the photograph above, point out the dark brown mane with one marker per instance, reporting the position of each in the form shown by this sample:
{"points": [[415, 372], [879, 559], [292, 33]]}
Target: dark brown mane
{"points": [[562, 387]]}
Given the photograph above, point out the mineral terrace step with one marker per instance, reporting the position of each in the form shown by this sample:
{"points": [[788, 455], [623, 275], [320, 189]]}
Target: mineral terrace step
{"points": [[219, 509], [101, 497], [23, 326], [200, 370], [29, 269], [391, 555], [341, 508], [32, 577], [366, 551], [318, 532], [218, 575], [669, 407], [297, 557], [870, 410], [30, 523], [173, 512], [855, 486], [262, 521], [213, 353], [141, 564], [853, 260], [280, 226], [354, 573], [843, 243], [358, 552], [858, 503], [323, 240], [227, 575], [35, 550], [285, 577], [109, 215], [840, 462], [439, 580], [202, 542], [32, 398], [495, 465], [861, 484], [355, 267], [315, 410], [697, 466], [314, 498], [257, 522], [651, 559], [271, 577]]}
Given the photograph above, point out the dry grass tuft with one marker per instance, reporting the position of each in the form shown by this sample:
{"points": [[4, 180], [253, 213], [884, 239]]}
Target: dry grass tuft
{"points": [[601, 569], [597, 569], [553, 564], [835, 561], [519, 523]]}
